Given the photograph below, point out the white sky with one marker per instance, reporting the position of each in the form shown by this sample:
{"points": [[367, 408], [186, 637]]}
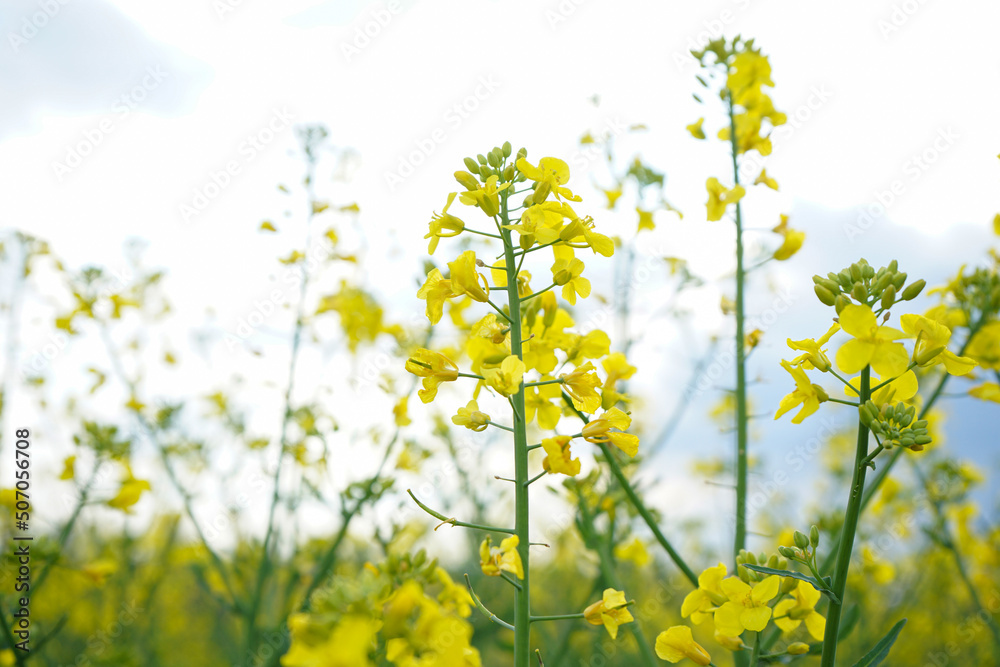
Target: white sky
{"points": [[885, 81]]}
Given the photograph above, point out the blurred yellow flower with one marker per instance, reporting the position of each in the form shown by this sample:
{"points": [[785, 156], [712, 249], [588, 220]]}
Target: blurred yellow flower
{"points": [[610, 611], [504, 558], [719, 198], [677, 643], [558, 459]]}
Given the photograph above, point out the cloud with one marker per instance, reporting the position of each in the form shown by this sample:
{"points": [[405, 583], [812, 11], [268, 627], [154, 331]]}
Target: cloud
{"points": [[73, 58]]}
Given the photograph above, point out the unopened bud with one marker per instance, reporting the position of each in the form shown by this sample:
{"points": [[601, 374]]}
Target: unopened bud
{"points": [[801, 541], [797, 648], [913, 289], [466, 180], [506, 148], [814, 536], [471, 165], [826, 296], [888, 297]]}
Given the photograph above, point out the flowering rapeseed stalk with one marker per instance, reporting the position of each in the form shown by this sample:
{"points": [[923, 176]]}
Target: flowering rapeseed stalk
{"points": [[522, 340]]}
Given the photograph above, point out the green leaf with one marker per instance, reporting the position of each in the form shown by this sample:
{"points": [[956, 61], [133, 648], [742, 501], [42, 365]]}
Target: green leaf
{"points": [[881, 650], [795, 575]]}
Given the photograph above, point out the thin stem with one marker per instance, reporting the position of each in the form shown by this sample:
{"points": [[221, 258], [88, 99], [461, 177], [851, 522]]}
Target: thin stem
{"points": [[471, 375], [486, 612], [544, 382], [741, 369], [846, 383], [500, 426], [637, 503], [455, 522], [832, 635], [538, 293], [536, 478], [502, 314], [837, 400], [476, 231], [557, 617], [522, 598]]}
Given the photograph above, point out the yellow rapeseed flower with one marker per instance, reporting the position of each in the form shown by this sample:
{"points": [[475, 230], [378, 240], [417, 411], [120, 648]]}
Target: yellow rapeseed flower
{"points": [[677, 643]]}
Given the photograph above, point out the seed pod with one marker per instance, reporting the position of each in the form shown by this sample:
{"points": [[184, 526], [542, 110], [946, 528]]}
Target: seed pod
{"points": [[888, 297], [913, 289]]}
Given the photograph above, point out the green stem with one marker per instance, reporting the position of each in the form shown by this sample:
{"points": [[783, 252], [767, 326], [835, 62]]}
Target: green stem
{"points": [[606, 562], [741, 383], [538, 293], [455, 522], [637, 503], [898, 453], [522, 598], [557, 617], [832, 635]]}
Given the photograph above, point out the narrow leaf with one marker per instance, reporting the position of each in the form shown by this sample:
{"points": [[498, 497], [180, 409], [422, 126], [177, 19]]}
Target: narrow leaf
{"points": [[795, 575], [881, 650]]}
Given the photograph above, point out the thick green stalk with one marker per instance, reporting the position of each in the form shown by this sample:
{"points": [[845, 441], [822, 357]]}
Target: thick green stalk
{"points": [[898, 453], [522, 602], [741, 361], [832, 634]]}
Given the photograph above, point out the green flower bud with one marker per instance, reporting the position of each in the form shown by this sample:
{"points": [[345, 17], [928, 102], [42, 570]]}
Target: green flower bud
{"points": [[867, 272], [787, 552], [788, 584], [893, 266], [814, 536], [856, 273], [743, 573], [825, 295], [506, 148], [772, 562], [471, 165], [864, 416], [913, 289], [898, 281], [508, 173], [922, 440], [801, 541], [831, 285], [888, 297], [859, 292], [491, 158], [751, 558], [845, 279], [481, 158], [841, 303]]}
